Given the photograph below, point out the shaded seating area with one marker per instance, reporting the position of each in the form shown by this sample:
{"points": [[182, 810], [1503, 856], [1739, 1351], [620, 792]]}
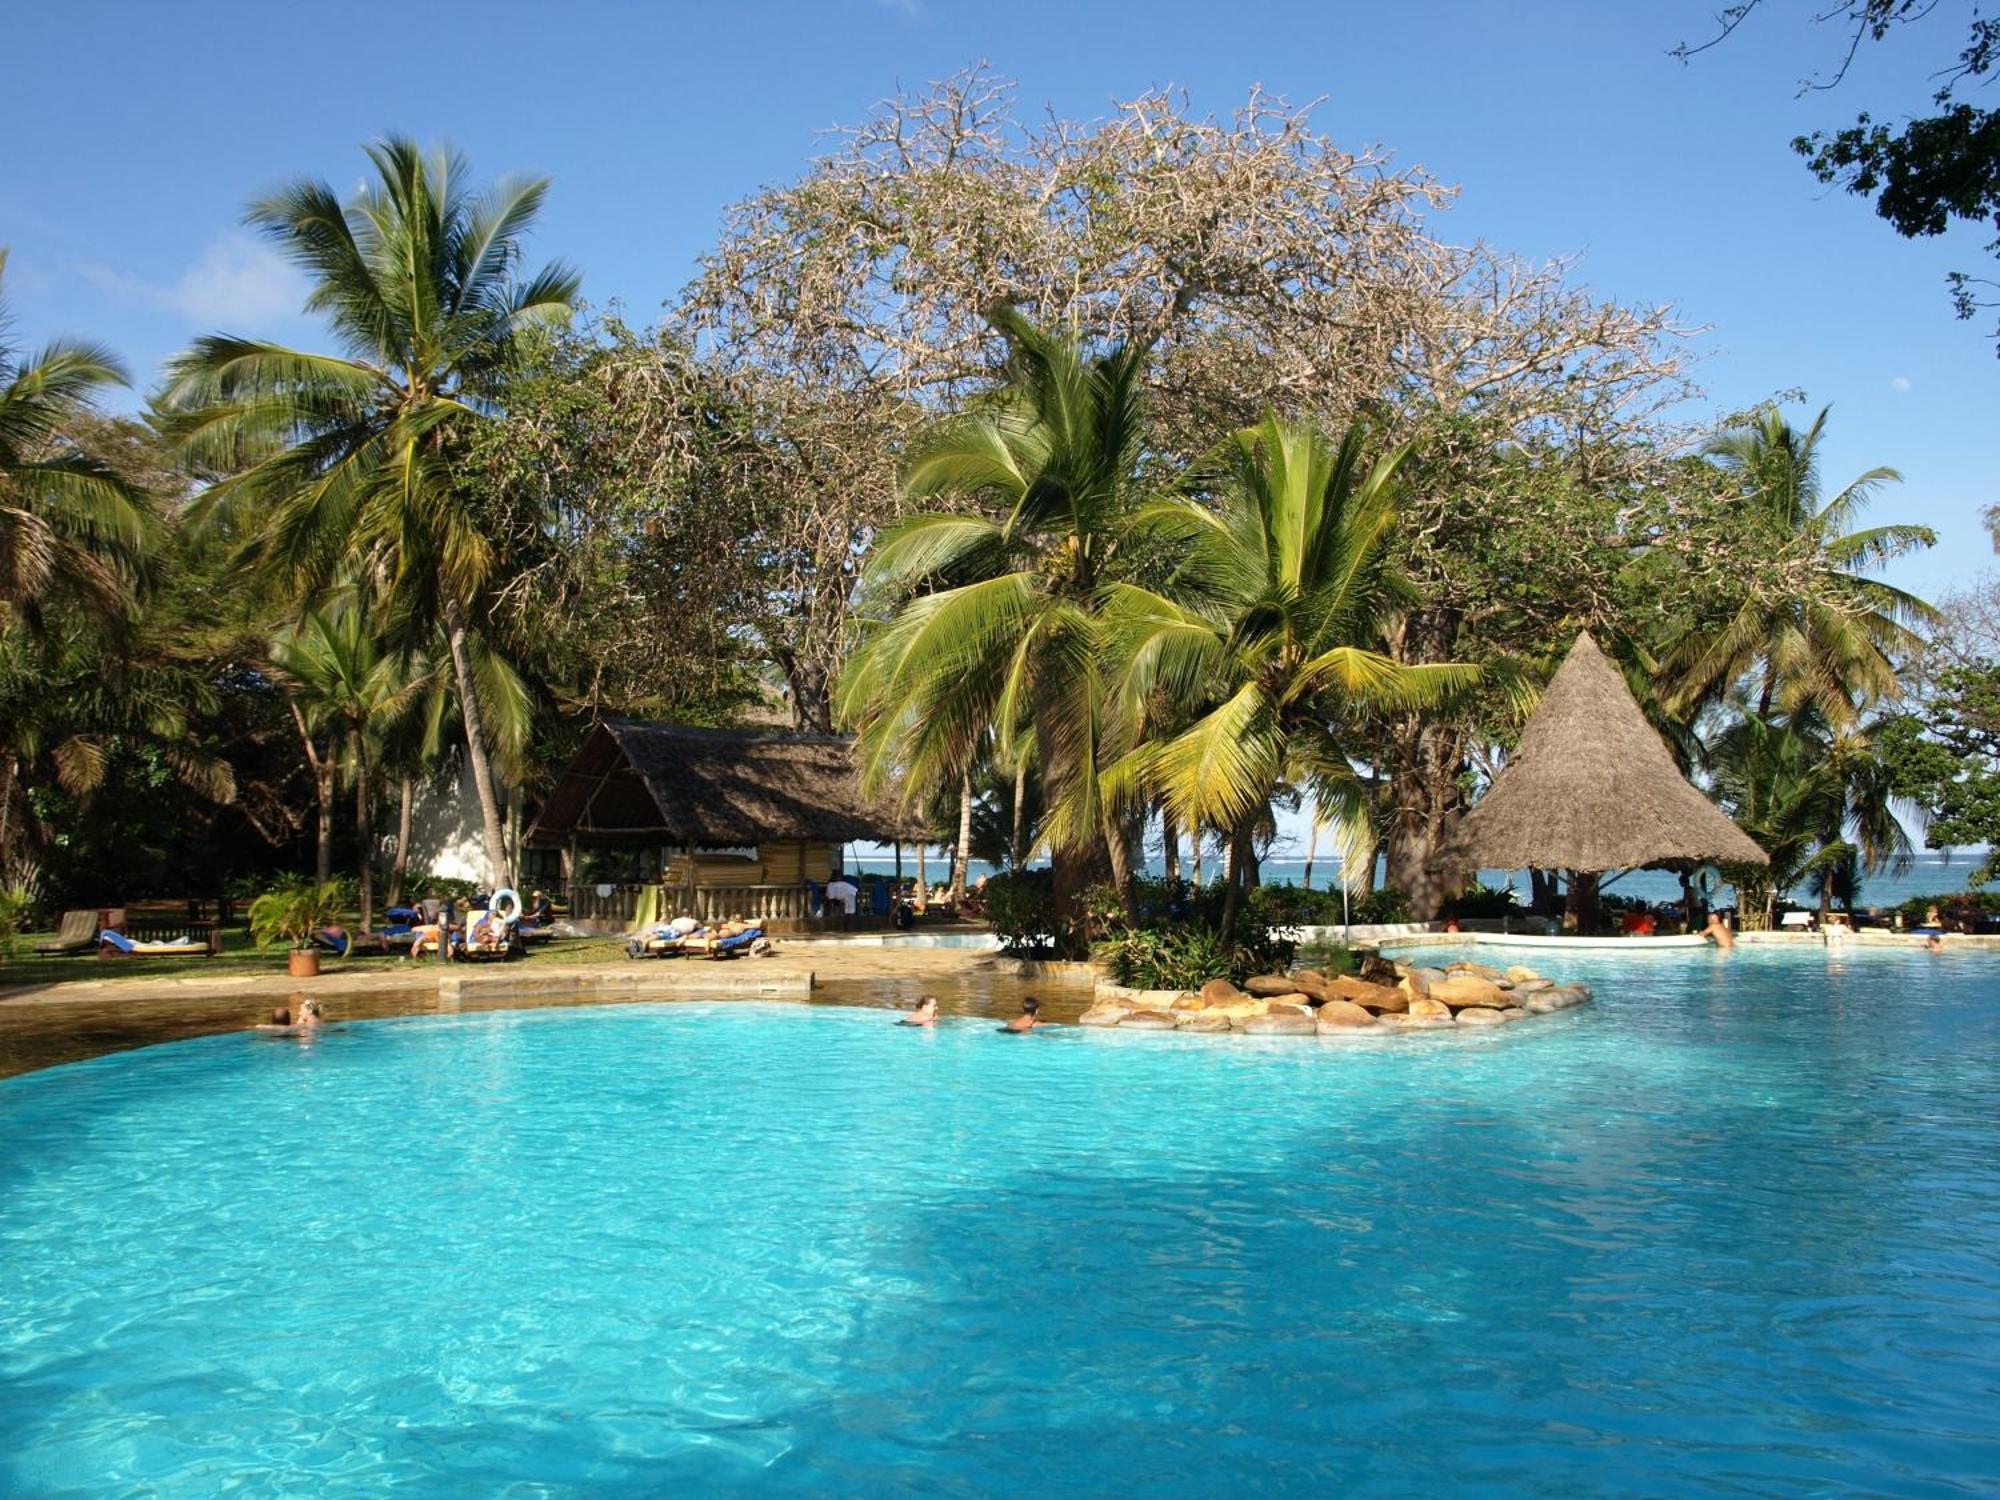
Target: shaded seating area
{"points": [[1590, 789], [716, 824]]}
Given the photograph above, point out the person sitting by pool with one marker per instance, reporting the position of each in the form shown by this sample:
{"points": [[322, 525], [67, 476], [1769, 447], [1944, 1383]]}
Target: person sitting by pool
{"points": [[924, 1015], [1029, 1018], [541, 910], [1717, 932]]}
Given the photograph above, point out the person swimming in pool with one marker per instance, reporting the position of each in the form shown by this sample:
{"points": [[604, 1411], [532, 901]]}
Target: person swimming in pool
{"points": [[925, 1014], [1029, 1018], [1717, 932]]}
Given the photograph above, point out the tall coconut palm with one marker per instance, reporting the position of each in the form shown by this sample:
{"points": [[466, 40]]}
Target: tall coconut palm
{"points": [[346, 459], [996, 624], [1818, 634], [70, 526], [1268, 632]]}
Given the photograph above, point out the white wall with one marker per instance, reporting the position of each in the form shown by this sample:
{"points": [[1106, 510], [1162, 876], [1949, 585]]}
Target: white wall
{"points": [[445, 835]]}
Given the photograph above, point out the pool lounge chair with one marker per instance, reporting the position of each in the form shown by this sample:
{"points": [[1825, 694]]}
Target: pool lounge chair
{"points": [[659, 941], [112, 944], [77, 934], [720, 945]]}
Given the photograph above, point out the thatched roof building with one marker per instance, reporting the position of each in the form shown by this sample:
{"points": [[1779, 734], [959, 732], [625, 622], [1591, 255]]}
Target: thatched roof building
{"points": [[638, 783], [1593, 787]]}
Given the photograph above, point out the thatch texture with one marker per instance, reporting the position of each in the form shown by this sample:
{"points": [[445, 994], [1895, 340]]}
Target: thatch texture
{"points": [[1593, 787], [638, 782]]}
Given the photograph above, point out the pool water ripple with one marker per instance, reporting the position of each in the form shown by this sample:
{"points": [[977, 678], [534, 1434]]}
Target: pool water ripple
{"points": [[1736, 1229]]}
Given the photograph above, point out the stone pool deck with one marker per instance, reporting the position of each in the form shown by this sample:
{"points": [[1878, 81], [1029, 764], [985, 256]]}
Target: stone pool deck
{"points": [[45, 1024]]}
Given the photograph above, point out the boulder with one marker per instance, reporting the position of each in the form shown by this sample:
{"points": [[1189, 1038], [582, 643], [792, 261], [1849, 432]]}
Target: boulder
{"points": [[1104, 1013], [1283, 1024], [1480, 1015], [1268, 985], [1310, 982], [1201, 1020], [1520, 973], [1560, 997], [1416, 1023], [1416, 983], [1190, 1002], [1428, 976], [1221, 992], [1478, 971], [1465, 990], [1533, 986], [1513, 1013], [1377, 997], [1375, 969], [1343, 1015], [1282, 1008], [1239, 1010], [1147, 1020], [1429, 1009]]}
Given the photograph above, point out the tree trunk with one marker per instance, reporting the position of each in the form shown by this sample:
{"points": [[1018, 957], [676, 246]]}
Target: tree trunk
{"points": [[923, 877], [1119, 851], [899, 861], [1542, 892], [961, 856], [1583, 905], [1424, 759], [1194, 851], [497, 872], [1017, 853], [322, 774], [364, 824], [1239, 865], [1312, 848], [402, 864], [9, 770], [1170, 842]]}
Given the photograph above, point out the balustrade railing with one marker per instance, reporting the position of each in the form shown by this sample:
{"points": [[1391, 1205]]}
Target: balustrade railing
{"points": [[619, 904]]}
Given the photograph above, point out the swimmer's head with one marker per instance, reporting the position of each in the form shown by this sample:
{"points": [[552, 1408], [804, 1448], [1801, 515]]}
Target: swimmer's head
{"points": [[281, 1017], [1030, 1006]]}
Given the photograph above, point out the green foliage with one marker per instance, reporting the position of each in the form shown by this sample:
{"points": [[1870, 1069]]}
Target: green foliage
{"points": [[1958, 908], [1945, 757], [291, 913], [1175, 938], [1484, 901], [1022, 908]]}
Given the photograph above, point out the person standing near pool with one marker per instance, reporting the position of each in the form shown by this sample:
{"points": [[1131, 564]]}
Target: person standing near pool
{"points": [[841, 892], [1029, 1018]]}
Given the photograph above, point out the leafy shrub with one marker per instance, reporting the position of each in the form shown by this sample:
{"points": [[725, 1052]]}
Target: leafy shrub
{"points": [[1185, 956], [1484, 901], [1021, 906], [294, 911]]}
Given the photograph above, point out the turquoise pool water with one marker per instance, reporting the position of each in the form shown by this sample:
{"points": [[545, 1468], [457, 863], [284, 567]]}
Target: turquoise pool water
{"points": [[1733, 1230]]}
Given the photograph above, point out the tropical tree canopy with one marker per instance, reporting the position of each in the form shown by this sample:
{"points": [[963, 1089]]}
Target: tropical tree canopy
{"points": [[341, 465], [1815, 632]]}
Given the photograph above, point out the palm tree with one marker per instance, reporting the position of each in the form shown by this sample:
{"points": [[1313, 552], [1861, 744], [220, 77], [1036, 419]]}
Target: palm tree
{"points": [[70, 525], [1822, 635], [996, 622], [345, 459], [1817, 799], [342, 685], [1267, 630]]}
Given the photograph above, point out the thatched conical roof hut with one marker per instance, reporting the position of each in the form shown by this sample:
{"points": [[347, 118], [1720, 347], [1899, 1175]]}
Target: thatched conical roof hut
{"points": [[1593, 787]]}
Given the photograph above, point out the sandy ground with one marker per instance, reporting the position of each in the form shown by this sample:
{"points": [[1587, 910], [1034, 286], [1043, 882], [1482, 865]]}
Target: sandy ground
{"points": [[41, 1025]]}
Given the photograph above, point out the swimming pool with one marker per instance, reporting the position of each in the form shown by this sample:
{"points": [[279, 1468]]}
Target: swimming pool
{"points": [[1734, 1229]]}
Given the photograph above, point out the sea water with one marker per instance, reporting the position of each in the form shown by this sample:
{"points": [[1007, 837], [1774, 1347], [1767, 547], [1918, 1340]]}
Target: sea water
{"points": [[1734, 1229]]}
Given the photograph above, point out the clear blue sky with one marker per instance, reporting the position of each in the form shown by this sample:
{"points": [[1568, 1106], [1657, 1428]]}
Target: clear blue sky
{"points": [[141, 129]]}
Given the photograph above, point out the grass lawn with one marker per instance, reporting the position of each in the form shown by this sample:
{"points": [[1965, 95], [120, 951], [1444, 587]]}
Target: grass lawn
{"points": [[240, 955]]}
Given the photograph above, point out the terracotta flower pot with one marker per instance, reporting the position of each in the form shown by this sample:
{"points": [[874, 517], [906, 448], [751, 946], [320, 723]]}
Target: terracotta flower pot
{"points": [[303, 962]]}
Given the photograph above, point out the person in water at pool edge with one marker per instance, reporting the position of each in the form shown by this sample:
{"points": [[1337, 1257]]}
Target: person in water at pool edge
{"points": [[1717, 932], [925, 1014], [1029, 1018]]}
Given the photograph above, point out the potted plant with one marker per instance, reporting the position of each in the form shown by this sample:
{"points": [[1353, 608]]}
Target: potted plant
{"points": [[293, 914]]}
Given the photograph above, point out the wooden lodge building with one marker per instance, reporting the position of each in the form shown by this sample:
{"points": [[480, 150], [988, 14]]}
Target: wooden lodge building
{"points": [[656, 819]]}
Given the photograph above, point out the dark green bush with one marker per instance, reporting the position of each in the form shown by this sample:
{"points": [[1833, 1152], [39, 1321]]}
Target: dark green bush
{"points": [[1021, 906], [1484, 901]]}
